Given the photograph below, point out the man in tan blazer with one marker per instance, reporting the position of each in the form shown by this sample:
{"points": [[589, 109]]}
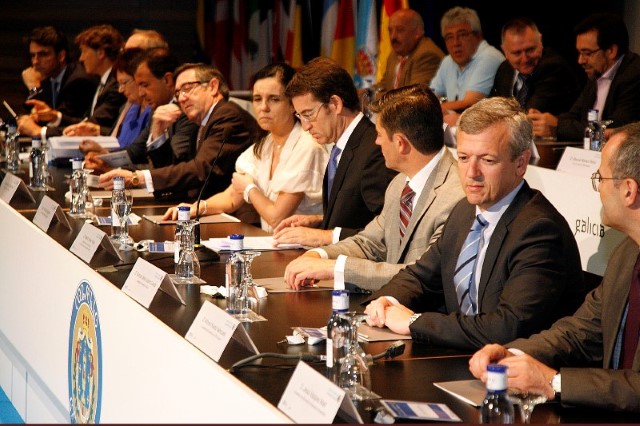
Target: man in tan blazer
{"points": [[415, 57], [409, 126]]}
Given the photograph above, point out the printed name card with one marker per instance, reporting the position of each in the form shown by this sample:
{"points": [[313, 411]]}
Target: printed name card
{"points": [[579, 162], [143, 283], [10, 184], [312, 398], [88, 241], [213, 329], [47, 210]]}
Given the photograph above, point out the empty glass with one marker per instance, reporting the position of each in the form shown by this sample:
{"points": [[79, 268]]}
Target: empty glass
{"points": [[526, 402], [122, 209], [355, 377]]}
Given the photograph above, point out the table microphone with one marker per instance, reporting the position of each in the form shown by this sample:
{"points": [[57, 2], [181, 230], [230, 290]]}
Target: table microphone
{"points": [[225, 135]]}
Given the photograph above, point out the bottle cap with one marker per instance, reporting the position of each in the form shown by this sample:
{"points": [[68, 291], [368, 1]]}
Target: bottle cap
{"points": [[340, 300], [496, 377], [35, 142], [184, 213], [76, 163], [236, 242], [118, 182], [592, 115]]}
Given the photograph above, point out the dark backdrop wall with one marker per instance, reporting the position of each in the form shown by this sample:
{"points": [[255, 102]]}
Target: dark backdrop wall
{"points": [[176, 19]]}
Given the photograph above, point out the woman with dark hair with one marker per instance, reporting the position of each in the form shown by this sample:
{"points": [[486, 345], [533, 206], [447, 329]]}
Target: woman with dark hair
{"points": [[281, 174]]}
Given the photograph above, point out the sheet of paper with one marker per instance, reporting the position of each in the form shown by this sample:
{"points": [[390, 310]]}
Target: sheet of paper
{"points": [[470, 391], [250, 243], [214, 218], [137, 193], [375, 334], [117, 159], [419, 410], [277, 285]]}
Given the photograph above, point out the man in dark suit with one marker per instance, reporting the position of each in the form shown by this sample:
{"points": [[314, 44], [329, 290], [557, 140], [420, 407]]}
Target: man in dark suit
{"points": [[512, 275], [560, 363], [328, 107], [536, 76], [99, 47], [613, 88], [203, 95], [53, 77]]}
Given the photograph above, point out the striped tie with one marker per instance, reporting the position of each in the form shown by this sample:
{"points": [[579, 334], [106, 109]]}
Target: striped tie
{"points": [[406, 207], [465, 268], [332, 166]]}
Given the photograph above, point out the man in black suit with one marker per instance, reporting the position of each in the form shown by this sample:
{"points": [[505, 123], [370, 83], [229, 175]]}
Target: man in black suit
{"points": [[203, 95], [613, 88], [328, 107], [518, 273], [99, 47], [536, 76], [53, 78]]}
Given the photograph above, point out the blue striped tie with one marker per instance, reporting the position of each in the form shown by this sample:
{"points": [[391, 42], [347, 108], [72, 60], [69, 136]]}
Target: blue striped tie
{"points": [[332, 166], [465, 268]]}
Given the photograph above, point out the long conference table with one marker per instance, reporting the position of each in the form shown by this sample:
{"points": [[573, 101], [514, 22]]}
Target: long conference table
{"points": [[150, 373]]}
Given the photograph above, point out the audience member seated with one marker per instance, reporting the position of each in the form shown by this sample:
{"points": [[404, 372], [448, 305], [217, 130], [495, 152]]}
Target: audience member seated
{"points": [[99, 47], [134, 114], [54, 78], [145, 39], [282, 173], [417, 201], [466, 74], [415, 57], [613, 87], [226, 130], [506, 264], [327, 104], [536, 76], [591, 358]]}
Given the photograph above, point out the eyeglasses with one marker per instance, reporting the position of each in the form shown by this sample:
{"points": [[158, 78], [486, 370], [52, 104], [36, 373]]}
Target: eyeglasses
{"points": [[460, 35], [123, 84], [596, 179], [188, 87], [310, 116], [588, 53]]}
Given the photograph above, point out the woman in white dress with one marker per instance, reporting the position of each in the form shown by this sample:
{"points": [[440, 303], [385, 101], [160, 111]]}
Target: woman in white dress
{"points": [[280, 175]]}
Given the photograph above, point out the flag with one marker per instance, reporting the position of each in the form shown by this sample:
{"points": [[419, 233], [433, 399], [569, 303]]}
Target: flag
{"points": [[366, 45], [343, 49], [259, 38], [329, 21], [384, 48], [239, 57], [214, 30]]}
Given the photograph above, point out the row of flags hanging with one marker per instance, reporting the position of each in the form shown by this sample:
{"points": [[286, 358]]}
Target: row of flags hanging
{"points": [[242, 36]]}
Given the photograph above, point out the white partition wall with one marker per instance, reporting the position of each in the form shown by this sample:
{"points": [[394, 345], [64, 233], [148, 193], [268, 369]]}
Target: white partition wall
{"points": [[149, 373]]}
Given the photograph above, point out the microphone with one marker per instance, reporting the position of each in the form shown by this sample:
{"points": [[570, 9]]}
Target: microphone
{"points": [[225, 135]]}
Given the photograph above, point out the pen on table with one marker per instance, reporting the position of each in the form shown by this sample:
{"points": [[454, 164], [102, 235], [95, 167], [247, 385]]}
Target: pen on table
{"points": [[11, 111]]}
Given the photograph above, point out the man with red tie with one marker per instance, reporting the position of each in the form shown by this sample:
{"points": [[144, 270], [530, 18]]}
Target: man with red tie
{"points": [[605, 328]]}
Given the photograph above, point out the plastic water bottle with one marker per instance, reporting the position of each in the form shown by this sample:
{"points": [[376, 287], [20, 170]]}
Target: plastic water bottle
{"points": [[184, 214], [118, 199], [187, 268], [590, 130], [337, 334], [234, 277], [76, 188], [496, 406], [12, 147], [36, 166]]}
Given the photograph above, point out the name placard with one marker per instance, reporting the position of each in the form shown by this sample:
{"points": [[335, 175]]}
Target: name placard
{"points": [[88, 240], [213, 329], [47, 210], [143, 283], [579, 162], [312, 398], [10, 184]]}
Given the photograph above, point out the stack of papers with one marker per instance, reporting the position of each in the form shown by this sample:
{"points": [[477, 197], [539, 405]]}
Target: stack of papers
{"points": [[250, 243]]}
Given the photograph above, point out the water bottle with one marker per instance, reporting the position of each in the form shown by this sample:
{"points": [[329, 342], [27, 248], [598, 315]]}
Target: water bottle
{"points": [[3, 140], [188, 267], [590, 130], [337, 334], [76, 188], [234, 277], [496, 406], [36, 165], [184, 213], [118, 199], [12, 147]]}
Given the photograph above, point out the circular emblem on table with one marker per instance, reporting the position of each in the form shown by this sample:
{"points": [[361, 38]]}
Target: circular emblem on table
{"points": [[85, 358]]}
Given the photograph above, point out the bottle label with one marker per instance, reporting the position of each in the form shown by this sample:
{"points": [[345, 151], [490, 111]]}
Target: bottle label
{"points": [[118, 183], [340, 300], [329, 352], [496, 381]]}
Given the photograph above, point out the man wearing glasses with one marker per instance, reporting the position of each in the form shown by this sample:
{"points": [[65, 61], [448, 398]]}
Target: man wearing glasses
{"points": [[613, 88], [327, 104], [225, 130], [466, 74], [603, 332]]}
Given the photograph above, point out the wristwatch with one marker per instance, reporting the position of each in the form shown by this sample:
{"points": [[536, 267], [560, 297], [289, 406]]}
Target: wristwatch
{"points": [[556, 385], [413, 318], [135, 180]]}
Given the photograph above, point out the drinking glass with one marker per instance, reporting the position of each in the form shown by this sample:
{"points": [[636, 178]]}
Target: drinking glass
{"points": [[526, 402], [123, 210], [248, 256], [355, 377]]}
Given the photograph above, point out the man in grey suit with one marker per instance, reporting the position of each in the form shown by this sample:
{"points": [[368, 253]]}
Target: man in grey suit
{"points": [[604, 330], [506, 265], [410, 134]]}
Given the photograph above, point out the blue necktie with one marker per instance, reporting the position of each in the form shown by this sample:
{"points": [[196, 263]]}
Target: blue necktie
{"points": [[465, 268], [331, 167]]}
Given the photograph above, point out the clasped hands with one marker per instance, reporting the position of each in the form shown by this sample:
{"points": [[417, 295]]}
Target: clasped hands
{"points": [[385, 312]]}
